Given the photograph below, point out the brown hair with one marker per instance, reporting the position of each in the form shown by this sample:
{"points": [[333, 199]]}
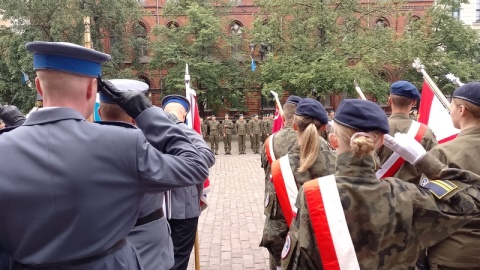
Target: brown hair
{"points": [[472, 108], [308, 129], [401, 101], [361, 145], [289, 112], [113, 112]]}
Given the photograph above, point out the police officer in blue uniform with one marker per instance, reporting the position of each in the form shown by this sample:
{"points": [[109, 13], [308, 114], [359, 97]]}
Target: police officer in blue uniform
{"points": [[185, 202], [71, 189]]}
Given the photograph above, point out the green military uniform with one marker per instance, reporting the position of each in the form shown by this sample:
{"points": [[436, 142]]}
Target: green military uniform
{"points": [[275, 228], [400, 122], [241, 129], [249, 132], [460, 250], [268, 128], [263, 125], [227, 132], [389, 221], [215, 129], [203, 126], [256, 131]]}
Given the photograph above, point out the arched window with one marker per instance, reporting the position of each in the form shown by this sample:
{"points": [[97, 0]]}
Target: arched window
{"points": [[382, 23], [236, 31], [173, 25], [412, 26], [140, 32], [144, 79]]}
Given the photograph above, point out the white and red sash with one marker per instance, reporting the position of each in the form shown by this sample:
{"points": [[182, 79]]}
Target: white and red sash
{"points": [[329, 225], [269, 149], [394, 162], [285, 187]]}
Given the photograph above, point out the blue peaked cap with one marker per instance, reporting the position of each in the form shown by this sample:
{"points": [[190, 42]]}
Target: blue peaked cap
{"points": [[176, 99], [67, 57], [404, 89], [362, 115], [124, 85], [469, 92], [312, 108]]}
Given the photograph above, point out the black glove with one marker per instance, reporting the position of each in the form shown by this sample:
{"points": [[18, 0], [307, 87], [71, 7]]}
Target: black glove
{"points": [[132, 102], [11, 115]]}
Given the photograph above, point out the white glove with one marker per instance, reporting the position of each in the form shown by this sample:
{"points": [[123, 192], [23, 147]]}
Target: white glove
{"points": [[406, 147]]}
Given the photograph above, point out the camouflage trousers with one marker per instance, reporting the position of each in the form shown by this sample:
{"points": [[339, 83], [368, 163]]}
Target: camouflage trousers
{"points": [[241, 144], [256, 143], [227, 142], [214, 143]]}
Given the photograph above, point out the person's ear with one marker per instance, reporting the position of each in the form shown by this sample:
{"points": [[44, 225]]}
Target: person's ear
{"points": [[99, 111], [389, 101], [91, 89], [295, 127], [322, 128], [38, 86], [333, 139]]}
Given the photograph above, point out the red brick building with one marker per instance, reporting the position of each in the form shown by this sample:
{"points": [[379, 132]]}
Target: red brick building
{"points": [[243, 15]]}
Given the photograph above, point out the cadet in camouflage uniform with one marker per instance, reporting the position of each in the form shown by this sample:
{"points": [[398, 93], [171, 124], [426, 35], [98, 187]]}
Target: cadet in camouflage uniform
{"points": [[310, 158], [249, 130], [227, 134], [461, 250], [282, 141], [203, 127], [215, 129], [256, 131], [404, 95], [269, 126], [241, 129], [263, 125], [389, 221]]}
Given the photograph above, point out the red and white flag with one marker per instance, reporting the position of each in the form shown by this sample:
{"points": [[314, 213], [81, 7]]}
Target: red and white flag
{"points": [[193, 121], [277, 120], [433, 114]]}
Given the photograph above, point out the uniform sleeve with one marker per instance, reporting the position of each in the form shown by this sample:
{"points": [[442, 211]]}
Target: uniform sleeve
{"points": [[429, 141], [200, 144], [177, 164], [300, 251]]}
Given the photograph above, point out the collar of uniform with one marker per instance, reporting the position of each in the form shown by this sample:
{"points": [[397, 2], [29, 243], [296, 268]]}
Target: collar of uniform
{"points": [[350, 166], [50, 115], [399, 115], [469, 131]]}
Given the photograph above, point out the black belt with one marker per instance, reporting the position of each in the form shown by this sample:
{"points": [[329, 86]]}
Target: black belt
{"points": [[155, 215], [117, 246]]}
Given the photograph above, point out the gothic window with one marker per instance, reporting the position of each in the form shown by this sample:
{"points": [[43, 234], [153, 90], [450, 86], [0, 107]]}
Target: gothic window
{"points": [[236, 31], [382, 23], [141, 33]]}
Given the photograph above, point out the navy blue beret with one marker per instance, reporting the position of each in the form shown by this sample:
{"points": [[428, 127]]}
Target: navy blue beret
{"points": [[469, 92], [176, 99], [293, 99], [312, 108], [124, 85], [67, 57], [362, 115], [404, 89]]}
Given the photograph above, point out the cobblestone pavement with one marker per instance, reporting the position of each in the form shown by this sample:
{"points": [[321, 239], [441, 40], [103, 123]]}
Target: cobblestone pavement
{"points": [[231, 227]]}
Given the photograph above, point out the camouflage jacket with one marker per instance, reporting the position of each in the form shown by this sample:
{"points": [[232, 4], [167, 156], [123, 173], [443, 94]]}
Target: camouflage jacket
{"points": [[228, 126], [255, 126], [460, 249], [204, 129], [275, 228], [241, 127], [389, 220], [215, 127], [400, 122]]}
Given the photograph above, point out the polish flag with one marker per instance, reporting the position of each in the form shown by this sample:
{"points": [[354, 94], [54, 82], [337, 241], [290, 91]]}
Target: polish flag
{"points": [[277, 120], [433, 114]]}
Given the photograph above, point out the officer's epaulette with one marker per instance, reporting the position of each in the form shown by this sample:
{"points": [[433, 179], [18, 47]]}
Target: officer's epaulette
{"points": [[7, 129], [440, 188], [115, 123]]}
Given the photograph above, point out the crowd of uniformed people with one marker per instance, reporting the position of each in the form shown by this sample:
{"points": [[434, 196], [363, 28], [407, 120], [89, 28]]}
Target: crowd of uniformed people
{"points": [[351, 189]]}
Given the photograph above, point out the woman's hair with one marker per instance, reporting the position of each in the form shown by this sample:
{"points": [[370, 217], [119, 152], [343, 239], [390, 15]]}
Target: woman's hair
{"points": [[362, 143], [308, 129], [472, 108]]}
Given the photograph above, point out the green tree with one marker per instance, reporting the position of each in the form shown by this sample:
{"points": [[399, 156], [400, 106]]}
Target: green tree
{"points": [[216, 59], [61, 20]]}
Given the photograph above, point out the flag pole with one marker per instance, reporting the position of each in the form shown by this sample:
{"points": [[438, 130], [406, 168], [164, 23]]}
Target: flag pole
{"points": [[87, 39], [359, 91], [454, 79], [421, 68], [279, 105]]}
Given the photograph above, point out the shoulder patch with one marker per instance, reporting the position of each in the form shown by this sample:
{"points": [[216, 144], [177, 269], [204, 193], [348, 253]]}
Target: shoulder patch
{"points": [[7, 129], [116, 123], [440, 188]]}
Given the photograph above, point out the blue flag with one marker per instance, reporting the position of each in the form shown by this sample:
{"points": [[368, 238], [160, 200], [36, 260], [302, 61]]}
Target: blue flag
{"points": [[254, 65], [25, 78]]}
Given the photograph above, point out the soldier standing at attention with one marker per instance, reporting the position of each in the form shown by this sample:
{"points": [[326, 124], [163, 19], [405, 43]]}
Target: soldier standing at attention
{"points": [[263, 125], [384, 223], [249, 130], [269, 127], [276, 146], [256, 132], [215, 129], [227, 134], [461, 249], [81, 184], [241, 130], [203, 127], [310, 158], [404, 95]]}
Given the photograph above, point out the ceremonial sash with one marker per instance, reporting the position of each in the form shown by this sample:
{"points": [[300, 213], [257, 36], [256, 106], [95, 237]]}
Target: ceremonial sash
{"points": [[285, 187], [269, 149], [394, 162], [329, 225]]}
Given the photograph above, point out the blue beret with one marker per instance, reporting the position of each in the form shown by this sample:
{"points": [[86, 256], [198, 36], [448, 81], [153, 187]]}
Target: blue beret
{"points": [[176, 99], [124, 85], [293, 99], [67, 57], [362, 115], [312, 108], [404, 89], [469, 92]]}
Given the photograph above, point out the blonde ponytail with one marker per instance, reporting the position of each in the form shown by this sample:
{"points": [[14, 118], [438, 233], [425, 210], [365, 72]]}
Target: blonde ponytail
{"points": [[361, 143], [309, 136]]}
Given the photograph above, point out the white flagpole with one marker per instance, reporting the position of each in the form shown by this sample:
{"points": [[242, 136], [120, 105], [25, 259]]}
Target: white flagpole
{"points": [[421, 68], [454, 79]]}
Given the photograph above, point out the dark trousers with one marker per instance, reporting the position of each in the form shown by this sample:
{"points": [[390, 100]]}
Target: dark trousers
{"points": [[183, 238]]}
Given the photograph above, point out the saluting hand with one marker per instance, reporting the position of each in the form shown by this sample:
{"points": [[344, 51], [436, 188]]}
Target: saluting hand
{"points": [[11, 115]]}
